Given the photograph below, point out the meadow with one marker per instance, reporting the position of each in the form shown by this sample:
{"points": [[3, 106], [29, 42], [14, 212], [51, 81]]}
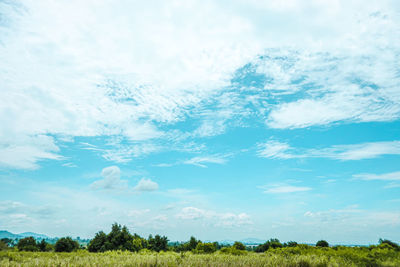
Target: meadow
{"points": [[300, 256]]}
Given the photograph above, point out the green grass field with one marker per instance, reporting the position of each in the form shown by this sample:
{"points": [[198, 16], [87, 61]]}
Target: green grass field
{"points": [[301, 257]]}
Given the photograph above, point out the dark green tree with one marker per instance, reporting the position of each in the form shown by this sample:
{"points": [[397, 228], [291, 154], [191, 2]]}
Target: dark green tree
{"points": [[322, 244], [27, 244], [239, 245], [205, 248], [272, 243], [43, 245], [3, 245], [390, 243], [97, 244], [290, 244], [158, 243], [192, 244], [66, 244]]}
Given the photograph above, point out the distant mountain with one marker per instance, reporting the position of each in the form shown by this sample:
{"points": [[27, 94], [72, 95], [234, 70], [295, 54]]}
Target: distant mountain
{"points": [[35, 235], [7, 234], [252, 241]]}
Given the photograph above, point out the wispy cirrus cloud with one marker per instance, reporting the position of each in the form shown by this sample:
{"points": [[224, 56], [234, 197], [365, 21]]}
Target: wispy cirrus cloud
{"points": [[370, 150], [284, 189], [201, 161], [391, 176]]}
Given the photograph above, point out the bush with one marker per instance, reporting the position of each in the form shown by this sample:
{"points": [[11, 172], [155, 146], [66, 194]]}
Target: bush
{"points": [[27, 244], [205, 248], [66, 244], [239, 245], [322, 243]]}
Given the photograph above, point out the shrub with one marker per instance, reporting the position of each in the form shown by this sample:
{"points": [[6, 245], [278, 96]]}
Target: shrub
{"points": [[238, 245], [322, 243], [66, 244], [205, 248], [27, 244]]}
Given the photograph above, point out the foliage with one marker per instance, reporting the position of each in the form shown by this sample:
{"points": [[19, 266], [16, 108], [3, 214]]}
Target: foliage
{"points": [[188, 246], [27, 244], [3, 245], [290, 244], [239, 246], [299, 256], [390, 243], [158, 243], [66, 244], [205, 248], [322, 243], [272, 243]]}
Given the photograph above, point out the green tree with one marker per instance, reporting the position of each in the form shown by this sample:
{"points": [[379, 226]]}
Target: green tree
{"points": [[192, 244], [3, 245], [390, 243], [27, 244], [158, 243], [66, 244], [322, 244], [239, 245], [272, 243], [44, 246], [97, 244], [205, 248], [290, 244]]}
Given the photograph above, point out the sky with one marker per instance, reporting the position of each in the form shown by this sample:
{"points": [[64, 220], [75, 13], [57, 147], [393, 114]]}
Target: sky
{"points": [[218, 119]]}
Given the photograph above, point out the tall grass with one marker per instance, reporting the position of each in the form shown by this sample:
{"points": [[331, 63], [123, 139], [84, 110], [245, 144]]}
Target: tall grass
{"points": [[286, 257]]}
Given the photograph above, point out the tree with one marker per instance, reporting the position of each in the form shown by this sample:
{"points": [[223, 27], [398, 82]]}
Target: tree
{"points": [[27, 244], [158, 243], [192, 243], [290, 244], [272, 243], [97, 244], [66, 244], [3, 245], [239, 245], [7, 241], [390, 243], [44, 246], [322, 244], [205, 248]]}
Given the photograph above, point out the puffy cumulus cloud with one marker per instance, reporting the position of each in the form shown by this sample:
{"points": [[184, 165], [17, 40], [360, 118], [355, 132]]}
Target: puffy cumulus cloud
{"points": [[214, 218], [111, 180], [146, 185], [369, 150]]}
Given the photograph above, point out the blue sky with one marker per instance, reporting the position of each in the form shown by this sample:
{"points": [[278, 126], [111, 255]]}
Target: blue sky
{"points": [[219, 119]]}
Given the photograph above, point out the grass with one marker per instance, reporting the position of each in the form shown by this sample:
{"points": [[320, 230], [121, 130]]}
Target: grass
{"points": [[287, 257]]}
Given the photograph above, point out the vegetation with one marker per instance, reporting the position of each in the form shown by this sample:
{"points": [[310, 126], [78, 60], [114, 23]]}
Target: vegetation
{"points": [[66, 244], [121, 248]]}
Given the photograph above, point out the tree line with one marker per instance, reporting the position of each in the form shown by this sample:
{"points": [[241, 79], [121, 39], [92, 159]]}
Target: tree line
{"points": [[119, 238]]}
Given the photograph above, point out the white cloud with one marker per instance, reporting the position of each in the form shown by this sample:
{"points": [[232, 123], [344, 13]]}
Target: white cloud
{"points": [[392, 176], [201, 160], [24, 152], [146, 185], [274, 149], [358, 151], [279, 150], [111, 180], [283, 189], [125, 68], [225, 220]]}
